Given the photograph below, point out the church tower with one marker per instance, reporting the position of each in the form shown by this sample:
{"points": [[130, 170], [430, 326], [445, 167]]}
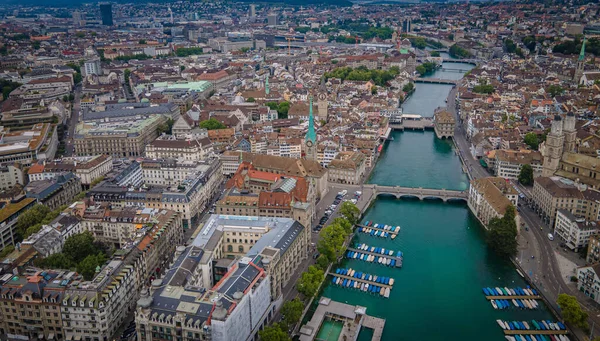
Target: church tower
{"points": [[553, 147], [267, 85], [322, 102], [570, 133], [311, 135], [580, 64]]}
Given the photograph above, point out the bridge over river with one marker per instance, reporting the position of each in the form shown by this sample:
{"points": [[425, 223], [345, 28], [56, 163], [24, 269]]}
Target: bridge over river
{"points": [[408, 192]]}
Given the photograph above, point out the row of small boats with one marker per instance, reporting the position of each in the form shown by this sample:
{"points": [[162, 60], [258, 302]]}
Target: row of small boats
{"points": [[497, 291], [380, 250], [534, 325], [372, 288], [364, 276], [389, 228], [519, 303], [376, 233], [537, 338], [371, 258]]}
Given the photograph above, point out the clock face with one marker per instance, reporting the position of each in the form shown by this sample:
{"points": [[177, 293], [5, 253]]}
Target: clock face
{"points": [[309, 143], [322, 97]]}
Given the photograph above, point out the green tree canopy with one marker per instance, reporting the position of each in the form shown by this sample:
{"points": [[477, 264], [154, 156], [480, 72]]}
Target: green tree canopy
{"points": [[309, 282], [502, 234], [526, 175], [408, 87], [555, 90], [292, 310], [273, 333], [344, 224], [350, 212], [532, 140], [31, 217], [78, 246], [458, 52], [87, 267], [572, 311], [332, 241], [212, 124]]}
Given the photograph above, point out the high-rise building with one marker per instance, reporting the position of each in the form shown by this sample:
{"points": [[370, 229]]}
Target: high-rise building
{"points": [[76, 18], [272, 20], [106, 13], [252, 10]]}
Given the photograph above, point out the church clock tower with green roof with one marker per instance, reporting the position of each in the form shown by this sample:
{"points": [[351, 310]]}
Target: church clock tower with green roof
{"points": [[311, 134]]}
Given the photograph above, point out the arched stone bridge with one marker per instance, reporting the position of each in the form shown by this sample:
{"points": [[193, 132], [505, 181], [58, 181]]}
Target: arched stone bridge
{"points": [[420, 193]]}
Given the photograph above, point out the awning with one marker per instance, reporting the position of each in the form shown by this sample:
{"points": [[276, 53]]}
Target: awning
{"points": [[41, 336], [483, 163], [69, 337], [77, 337], [571, 246], [50, 336]]}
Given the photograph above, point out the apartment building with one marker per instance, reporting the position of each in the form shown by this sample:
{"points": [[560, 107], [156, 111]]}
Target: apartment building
{"points": [[588, 281], [189, 197], [51, 238], [593, 254], [86, 168], [169, 147], [508, 163], [10, 175], [30, 305], [489, 198], [8, 218], [94, 310], [55, 192], [24, 146], [553, 193], [243, 300], [574, 232], [347, 168]]}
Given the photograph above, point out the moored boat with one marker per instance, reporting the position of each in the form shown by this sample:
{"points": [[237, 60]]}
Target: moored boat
{"points": [[501, 324]]}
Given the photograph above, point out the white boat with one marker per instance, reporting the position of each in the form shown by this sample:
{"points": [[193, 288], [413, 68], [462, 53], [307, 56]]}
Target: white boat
{"points": [[526, 304], [526, 325], [509, 337], [390, 252], [500, 292], [535, 303], [515, 303], [386, 294], [381, 290], [501, 324], [382, 251], [389, 261], [397, 229], [352, 274], [391, 281], [529, 292], [375, 278], [394, 236], [545, 324], [366, 287], [337, 280], [508, 290], [494, 304]]}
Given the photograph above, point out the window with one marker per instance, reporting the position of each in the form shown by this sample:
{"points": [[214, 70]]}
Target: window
{"points": [[229, 248], [241, 249]]}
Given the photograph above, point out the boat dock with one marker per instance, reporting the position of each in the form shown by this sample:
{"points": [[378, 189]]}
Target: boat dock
{"points": [[359, 280], [376, 231], [353, 317], [533, 297], [533, 332], [382, 257]]}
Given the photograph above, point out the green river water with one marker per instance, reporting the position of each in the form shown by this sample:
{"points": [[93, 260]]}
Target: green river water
{"points": [[437, 294]]}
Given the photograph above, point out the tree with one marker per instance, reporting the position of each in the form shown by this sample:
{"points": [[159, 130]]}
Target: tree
{"points": [[502, 233], [526, 175], [56, 261], [78, 246], [32, 230], [408, 87], [65, 98], [292, 311], [555, 90], [212, 124], [435, 53], [571, 311], [374, 90], [31, 217], [87, 267], [251, 100], [483, 87], [350, 212], [322, 262], [142, 42], [309, 281], [343, 223], [331, 244], [531, 139], [451, 37], [273, 333], [7, 251]]}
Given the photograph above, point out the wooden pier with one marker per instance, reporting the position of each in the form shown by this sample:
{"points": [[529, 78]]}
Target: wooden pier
{"points": [[378, 229], [376, 324], [398, 260], [531, 297], [531, 332], [361, 280]]}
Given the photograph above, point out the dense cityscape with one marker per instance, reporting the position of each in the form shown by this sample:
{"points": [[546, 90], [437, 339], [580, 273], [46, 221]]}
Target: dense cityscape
{"points": [[230, 171]]}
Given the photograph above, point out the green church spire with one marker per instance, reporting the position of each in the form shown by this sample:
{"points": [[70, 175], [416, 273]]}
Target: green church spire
{"points": [[311, 135], [582, 53]]}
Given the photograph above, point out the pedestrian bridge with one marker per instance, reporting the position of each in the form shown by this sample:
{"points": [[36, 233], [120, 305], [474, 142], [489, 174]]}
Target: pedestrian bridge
{"points": [[420, 193]]}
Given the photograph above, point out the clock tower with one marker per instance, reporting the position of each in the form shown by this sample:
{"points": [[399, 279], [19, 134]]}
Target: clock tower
{"points": [[311, 134], [322, 103], [553, 147]]}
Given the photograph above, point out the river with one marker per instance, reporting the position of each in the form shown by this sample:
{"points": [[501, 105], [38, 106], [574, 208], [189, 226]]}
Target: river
{"points": [[437, 294]]}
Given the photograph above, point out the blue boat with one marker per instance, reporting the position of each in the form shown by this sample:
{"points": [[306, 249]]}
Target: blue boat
{"points": [[367, 223], [520, 303], [534, 292], [528, 338], [561, 326], [511, 326], [333, 280], [387, 280], [485, 292], [337, 271], [344, 283]]}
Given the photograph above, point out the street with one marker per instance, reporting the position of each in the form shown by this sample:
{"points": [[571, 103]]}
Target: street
{"points": [[72, 122]]}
